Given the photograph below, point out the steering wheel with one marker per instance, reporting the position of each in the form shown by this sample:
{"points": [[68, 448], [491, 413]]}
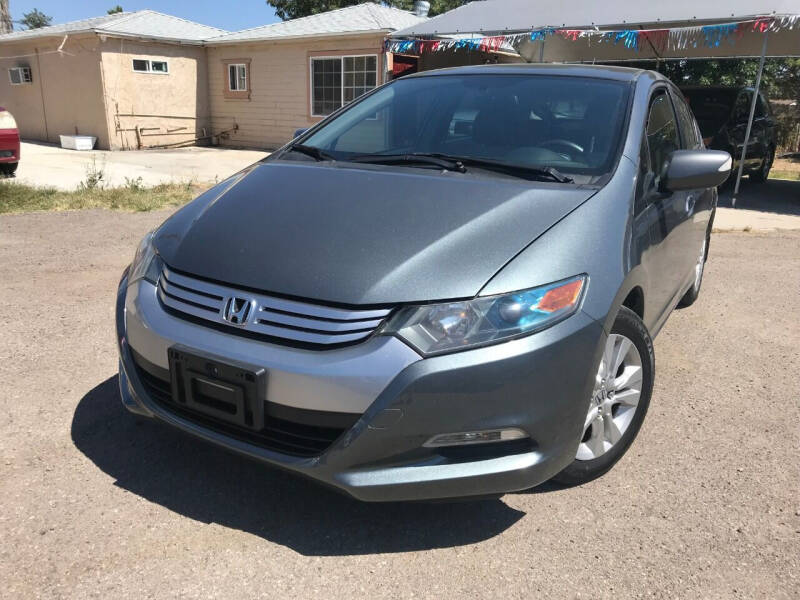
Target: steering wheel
{"points": [[563, 147]]}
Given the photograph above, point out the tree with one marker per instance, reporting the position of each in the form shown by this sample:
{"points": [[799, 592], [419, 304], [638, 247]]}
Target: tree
{"points": [[292, 9], [115, 10], [5, 18], [35, 19]]}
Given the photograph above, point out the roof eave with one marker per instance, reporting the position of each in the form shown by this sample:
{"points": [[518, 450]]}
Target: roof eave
{"points": [[213, 42], [150, 38]]}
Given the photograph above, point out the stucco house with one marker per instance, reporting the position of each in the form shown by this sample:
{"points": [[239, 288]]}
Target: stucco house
{"points": [[130, 79], [145, 79]]}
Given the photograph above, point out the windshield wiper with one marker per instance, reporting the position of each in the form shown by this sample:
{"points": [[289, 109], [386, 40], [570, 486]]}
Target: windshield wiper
{"points": [[312, 151], [443, 162], [546, 173]]}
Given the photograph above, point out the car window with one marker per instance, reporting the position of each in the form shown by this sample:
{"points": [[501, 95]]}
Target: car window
{"points": [[574, 124], [689, 132], [711, 107], [741, 110], [662, 133], [762, 108]]}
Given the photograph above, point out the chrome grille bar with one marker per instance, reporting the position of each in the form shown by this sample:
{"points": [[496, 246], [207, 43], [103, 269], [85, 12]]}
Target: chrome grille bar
{"points": [[277, 318]]}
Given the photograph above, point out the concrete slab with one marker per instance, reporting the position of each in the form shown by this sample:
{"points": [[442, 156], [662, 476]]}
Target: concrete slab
{"points": [[52, 166]]}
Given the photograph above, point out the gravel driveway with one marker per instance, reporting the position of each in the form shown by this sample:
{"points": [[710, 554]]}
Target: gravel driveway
{"points": [[94, 504]]}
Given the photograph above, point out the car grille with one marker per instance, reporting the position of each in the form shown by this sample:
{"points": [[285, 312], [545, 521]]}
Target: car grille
{"points": [[309, 438], [276, 319]]}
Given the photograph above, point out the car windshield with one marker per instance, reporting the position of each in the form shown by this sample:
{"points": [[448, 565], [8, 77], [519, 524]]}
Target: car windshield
{"points": [[572, 125], [711, 108]]}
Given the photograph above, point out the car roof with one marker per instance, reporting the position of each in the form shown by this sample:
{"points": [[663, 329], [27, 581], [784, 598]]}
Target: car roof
{"points": [[595, 71], [718, 88]]}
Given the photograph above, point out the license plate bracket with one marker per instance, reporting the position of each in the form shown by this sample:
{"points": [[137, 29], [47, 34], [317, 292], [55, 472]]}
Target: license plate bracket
{"points": [[225, 390]]}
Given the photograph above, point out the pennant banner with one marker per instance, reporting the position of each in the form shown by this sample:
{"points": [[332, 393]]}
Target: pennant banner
{"points": [[660, 40]]}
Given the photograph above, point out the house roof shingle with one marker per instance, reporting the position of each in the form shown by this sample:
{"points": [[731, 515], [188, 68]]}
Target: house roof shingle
{"points": [[363, 17], [142, 23]]}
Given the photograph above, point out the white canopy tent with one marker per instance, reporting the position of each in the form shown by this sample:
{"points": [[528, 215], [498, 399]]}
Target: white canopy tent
{"points": [[612, 31]]}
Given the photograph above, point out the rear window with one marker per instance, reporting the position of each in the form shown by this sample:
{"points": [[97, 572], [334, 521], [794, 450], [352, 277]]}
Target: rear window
{"points": [[712, 108]]}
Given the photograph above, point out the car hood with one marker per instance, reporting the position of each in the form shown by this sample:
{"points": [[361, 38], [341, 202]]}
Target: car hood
{"points": [[360, 235]]}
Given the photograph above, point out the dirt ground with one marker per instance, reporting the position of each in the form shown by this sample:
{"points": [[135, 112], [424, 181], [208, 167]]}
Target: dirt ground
{"points": [[786, 164], [706, 503]]}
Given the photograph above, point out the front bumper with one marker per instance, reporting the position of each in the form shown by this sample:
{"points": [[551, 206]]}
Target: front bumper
{"points": [[540, 383]]}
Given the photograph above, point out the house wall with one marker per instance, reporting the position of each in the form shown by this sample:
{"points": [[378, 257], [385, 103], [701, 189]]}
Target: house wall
{"points": [[167, 108], [279, 99], [66, 94]]}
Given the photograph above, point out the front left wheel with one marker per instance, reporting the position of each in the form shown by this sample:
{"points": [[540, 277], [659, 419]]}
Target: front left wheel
{"points": [[762, 174], [619, 402]]}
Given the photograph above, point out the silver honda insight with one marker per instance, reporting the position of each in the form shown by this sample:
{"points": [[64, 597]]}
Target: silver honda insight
{"points": [[447, 288]]}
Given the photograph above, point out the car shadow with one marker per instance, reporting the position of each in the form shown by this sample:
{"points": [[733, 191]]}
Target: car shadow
{"points": [[778, 196], [210, 485]]}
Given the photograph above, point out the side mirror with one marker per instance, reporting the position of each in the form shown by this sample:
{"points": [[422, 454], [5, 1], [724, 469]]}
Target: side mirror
{"points": [[299, 132], [695, 169]]}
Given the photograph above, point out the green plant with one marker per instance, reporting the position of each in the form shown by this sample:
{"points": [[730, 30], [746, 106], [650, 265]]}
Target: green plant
{"points": [[134, 184], [94, 176], [18, 197]]}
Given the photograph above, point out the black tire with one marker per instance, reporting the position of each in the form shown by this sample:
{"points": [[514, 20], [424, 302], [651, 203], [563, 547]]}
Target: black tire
{"points": [[8, 169], [631, 326], [762, 174]]}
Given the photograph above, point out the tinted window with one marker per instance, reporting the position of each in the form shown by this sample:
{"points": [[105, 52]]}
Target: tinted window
{"points": [[662, 132], [689, 133], [711, 108], [741, 110], [762, 108], [571, 123]]}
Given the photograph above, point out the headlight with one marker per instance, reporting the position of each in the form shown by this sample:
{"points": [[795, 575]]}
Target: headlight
{"points": [[146, 263], [440, 328]]}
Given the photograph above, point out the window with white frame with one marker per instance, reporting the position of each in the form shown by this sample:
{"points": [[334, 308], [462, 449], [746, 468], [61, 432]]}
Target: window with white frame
{"points": [[338, 80], [237, 77], [20, 75], [143, 65]]}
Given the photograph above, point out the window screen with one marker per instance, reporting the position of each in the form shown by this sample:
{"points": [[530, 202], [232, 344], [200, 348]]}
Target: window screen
{"points": [[141, 65], [340, 80], [237, 78]]}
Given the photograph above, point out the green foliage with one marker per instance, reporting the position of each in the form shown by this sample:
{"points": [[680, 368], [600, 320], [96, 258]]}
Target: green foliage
{"points": [[94, 176], [292, 9], [780, 81], [781, 77], [115, 10], [35, 19]]}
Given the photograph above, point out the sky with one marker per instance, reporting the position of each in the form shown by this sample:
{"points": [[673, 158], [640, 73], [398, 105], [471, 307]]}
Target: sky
{"points": [[232, 15]]}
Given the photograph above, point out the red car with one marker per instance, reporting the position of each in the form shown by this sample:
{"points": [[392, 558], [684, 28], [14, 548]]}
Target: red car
{"points": [[9, 143]]}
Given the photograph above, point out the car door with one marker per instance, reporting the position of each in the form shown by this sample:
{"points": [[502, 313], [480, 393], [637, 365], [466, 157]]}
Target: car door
{"points": [[699, 202], [662, 228]]}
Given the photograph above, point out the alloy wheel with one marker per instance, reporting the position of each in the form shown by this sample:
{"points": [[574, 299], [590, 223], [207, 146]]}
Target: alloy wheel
{"points": [[701, 263], [616, 394]]}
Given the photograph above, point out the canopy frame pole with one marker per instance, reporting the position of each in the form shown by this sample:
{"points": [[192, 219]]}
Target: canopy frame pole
{"points": [[750, 119]]}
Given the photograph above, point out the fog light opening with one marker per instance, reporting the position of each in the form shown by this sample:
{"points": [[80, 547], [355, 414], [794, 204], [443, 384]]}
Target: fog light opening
{"points": [[475, 437]]}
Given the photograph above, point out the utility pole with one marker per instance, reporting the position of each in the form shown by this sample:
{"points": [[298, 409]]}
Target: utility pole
{"points": [[5, 18]]}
